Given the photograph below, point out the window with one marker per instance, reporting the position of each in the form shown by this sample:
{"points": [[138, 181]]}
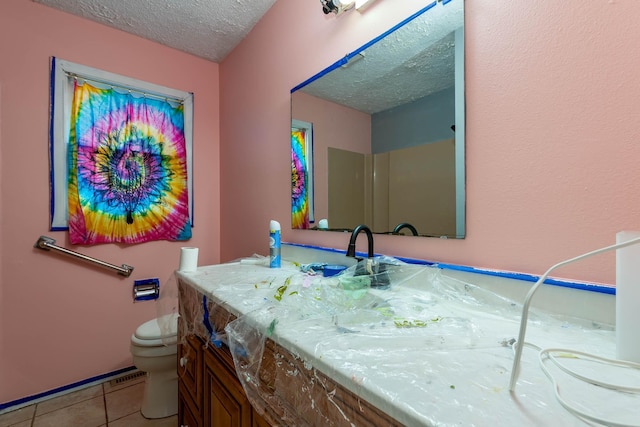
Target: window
{"points": [[65, 76], [302, 215]]}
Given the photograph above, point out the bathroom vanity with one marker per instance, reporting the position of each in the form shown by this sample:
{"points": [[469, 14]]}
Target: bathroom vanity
{"points": [[260, 346], [210, 393]]}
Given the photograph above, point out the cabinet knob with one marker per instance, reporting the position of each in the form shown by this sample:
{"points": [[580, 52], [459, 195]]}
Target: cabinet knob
{"points": [[183, 363]]}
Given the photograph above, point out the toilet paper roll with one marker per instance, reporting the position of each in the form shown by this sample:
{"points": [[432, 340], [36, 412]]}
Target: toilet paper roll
{"points": [[144, 295], [188, 259]]}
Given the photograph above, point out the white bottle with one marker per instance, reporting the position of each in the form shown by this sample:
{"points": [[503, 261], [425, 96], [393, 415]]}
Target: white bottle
{"points": [[627, 298], [274, 244]]}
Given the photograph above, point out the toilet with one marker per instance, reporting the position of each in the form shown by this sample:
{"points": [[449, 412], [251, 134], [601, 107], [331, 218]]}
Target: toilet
{"points": [[158, 359]]}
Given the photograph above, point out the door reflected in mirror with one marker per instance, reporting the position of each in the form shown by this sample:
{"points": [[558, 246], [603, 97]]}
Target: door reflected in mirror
{"points": [[384, 142]]}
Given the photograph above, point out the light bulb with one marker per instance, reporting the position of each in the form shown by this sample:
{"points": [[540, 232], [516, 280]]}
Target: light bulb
{"points": [[362, 4]]}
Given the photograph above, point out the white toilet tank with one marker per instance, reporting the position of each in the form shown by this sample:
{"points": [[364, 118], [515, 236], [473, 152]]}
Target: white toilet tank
{"points": [[150, 333]]}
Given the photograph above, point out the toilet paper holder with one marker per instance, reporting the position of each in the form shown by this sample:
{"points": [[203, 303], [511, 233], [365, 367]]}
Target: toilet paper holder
{"points": [[146, 289]]}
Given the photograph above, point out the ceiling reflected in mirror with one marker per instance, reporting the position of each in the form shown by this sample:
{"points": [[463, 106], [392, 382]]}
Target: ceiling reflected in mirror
{"points": [[385, 132]]}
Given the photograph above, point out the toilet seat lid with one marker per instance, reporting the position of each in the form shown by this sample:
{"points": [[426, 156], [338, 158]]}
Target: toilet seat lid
{"points": [[150, 330]]}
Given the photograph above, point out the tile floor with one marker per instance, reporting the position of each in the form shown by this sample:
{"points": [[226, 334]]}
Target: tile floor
{"points": [[102, 405]]}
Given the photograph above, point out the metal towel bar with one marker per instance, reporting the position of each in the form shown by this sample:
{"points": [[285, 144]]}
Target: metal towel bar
{"points": [[47, 243]]}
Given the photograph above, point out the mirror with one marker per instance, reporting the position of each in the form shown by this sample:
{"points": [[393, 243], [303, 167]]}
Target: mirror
{"points": [[378, 137]]}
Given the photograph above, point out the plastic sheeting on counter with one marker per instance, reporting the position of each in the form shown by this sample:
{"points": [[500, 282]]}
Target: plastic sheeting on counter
{"points": [[429, 350]]}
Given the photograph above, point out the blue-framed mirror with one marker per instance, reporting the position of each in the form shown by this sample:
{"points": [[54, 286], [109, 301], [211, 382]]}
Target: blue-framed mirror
{"points": [[387, 125]]}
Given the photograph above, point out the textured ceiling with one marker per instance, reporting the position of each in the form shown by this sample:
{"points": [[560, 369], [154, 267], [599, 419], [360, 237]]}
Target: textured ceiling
{"points": [[412, 62], [418, 58], [206, 28]]}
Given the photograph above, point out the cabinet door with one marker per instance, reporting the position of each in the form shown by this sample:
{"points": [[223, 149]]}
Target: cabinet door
{"points": [[186, 415], [190, 368], [225, 404], [257, 420]]}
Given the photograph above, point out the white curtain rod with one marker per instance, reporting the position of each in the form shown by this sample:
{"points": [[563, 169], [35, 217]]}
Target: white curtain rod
{"points": [[127, 88]]}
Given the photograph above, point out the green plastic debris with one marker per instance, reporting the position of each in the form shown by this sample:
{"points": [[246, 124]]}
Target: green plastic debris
{"points": [[272, 327], [281, 290]]}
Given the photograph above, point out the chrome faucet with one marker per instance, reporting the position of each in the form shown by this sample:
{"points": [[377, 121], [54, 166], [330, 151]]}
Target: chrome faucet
{"points": [[351, 250], [405, 225]]}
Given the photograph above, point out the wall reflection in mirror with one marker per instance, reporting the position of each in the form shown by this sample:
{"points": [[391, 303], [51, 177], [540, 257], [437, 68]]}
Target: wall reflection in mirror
{"points": [[378, 137]]}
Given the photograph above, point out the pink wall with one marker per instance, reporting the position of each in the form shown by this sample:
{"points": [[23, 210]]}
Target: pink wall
{"points": [[552, 110], [62, 321], [334, 126], [552, 104]]}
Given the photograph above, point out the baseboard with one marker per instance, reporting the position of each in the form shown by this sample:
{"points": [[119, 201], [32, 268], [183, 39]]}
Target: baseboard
{"points": [[89, 382]]}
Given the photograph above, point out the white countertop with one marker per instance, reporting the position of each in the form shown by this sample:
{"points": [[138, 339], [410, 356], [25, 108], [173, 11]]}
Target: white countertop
{"points": [[431, 350]]}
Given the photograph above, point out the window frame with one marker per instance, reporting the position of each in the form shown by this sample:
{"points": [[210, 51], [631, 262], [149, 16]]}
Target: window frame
{"points": [[308, 142], [63, 74]]}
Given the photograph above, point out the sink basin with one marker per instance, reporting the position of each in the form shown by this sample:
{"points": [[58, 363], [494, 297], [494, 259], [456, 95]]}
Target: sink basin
{"points": [[384, 271], [387, 296], [376, 271]]}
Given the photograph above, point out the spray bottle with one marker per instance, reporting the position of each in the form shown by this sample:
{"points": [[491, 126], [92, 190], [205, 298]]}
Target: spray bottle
{"points": [[274, 244]]}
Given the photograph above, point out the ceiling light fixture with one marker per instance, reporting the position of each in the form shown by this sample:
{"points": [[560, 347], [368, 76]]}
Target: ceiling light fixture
{"points": [[336, 6]]}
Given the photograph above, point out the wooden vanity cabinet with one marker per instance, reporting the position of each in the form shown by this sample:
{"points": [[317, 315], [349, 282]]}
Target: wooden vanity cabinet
{"points": [[210, 393], [190, 376], [225, 403], [215, 396]]}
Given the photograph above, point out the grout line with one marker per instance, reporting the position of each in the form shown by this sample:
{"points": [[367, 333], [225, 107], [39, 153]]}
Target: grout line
{"points": [[33, 417], [103, 388], [104, 401]]}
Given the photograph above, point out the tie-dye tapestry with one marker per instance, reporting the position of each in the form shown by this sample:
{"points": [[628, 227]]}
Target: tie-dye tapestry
{"points": [[127, 169], [299, 180]]}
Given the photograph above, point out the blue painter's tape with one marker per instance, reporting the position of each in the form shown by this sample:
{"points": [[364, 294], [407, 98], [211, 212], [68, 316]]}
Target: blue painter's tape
{"points": [[213, 336], [52, 99], [26, 400], [591, 287], [205, 315], [146, 285], [532, 278]]}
